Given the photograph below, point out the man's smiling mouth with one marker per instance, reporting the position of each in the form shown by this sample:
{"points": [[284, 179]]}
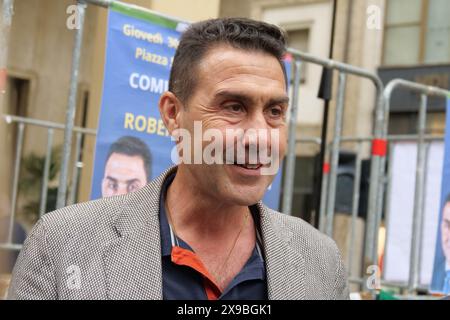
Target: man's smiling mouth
{"points": [[249, 166]]}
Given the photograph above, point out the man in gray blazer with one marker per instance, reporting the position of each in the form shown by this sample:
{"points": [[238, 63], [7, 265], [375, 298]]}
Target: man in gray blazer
{"points": [[199, 230]]}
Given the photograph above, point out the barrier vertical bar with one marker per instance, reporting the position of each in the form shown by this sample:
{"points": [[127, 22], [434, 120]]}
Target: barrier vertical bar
{"points": [[15, 186], [355, 202], [324, 196], [422, 216], [339, 116], [5, 26], [388, 202], [375, 194], [70, 112], [418, 197], [75, 170], [288, 185], [45, 177]]}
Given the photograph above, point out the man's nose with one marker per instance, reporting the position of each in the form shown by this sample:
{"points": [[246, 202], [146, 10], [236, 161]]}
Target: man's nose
{"points": [[256, 131], [122, 189]]}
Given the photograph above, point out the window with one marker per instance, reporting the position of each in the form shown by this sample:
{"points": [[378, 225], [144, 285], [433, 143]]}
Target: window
{"points": [[406, 123], [17, 93], [82, 106], [417, 32], [17, 100], [437, 46], [298, 39]]}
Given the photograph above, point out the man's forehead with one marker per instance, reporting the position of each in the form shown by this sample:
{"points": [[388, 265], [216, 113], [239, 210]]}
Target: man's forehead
{"points": [[224, 62], [124, 160]]}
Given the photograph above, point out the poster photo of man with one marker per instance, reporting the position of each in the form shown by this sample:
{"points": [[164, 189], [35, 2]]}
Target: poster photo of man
{"points": [[127, 167], [441, 272], [441, 276], [445, 239]]}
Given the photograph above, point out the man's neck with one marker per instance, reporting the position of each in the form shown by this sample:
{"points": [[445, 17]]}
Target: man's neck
{"points": [[195, 212], [222, 235]]}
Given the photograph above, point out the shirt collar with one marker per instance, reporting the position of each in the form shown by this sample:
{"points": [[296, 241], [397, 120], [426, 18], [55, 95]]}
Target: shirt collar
{"points": [[166, 242]]}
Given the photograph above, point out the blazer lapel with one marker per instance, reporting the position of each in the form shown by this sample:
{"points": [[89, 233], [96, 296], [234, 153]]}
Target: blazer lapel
{"points": [[133, 260], [285, 268]]}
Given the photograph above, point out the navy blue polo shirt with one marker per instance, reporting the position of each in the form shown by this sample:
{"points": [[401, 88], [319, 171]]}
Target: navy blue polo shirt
{"points": [[182, 282]]}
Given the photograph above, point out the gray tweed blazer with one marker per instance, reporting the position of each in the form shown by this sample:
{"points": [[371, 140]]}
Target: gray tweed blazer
{"points": [[110, 249]]}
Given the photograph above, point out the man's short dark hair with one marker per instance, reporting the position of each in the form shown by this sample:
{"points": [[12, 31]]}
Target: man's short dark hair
{"points": [[240, 33], [132, 146]]}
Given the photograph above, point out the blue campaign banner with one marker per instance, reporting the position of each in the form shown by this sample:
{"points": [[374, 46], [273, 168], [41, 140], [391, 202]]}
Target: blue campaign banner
{"points": [[140, 47], [441, 271], [139, 51]]}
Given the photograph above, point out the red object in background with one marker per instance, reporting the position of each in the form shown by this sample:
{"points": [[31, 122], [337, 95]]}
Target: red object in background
{"points": [[379, 147], [326, 168]]}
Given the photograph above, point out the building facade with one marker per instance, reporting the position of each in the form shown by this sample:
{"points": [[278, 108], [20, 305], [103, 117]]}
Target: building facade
{"points": [[395, 38]]}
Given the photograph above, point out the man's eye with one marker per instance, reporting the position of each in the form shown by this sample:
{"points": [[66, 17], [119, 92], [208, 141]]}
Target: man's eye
{"points": [[275, 112], [112, 185], [235, 108], [133, 187]]}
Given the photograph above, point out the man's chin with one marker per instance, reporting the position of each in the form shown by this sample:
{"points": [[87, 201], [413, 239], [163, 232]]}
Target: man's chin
{"points": [[235, 189], [245, 196]]}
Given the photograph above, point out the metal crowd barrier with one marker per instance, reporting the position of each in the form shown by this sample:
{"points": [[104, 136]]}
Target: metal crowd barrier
{"points": [[328, 196], [51, 127], [379, 179], [386, 180], [419, 195]]}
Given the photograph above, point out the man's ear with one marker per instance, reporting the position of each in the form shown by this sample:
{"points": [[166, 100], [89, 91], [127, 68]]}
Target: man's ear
{"points": [[170, 108]]}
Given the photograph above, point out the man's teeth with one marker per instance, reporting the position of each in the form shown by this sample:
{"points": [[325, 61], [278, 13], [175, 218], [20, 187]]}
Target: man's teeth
{"points": [[250, 166]]}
